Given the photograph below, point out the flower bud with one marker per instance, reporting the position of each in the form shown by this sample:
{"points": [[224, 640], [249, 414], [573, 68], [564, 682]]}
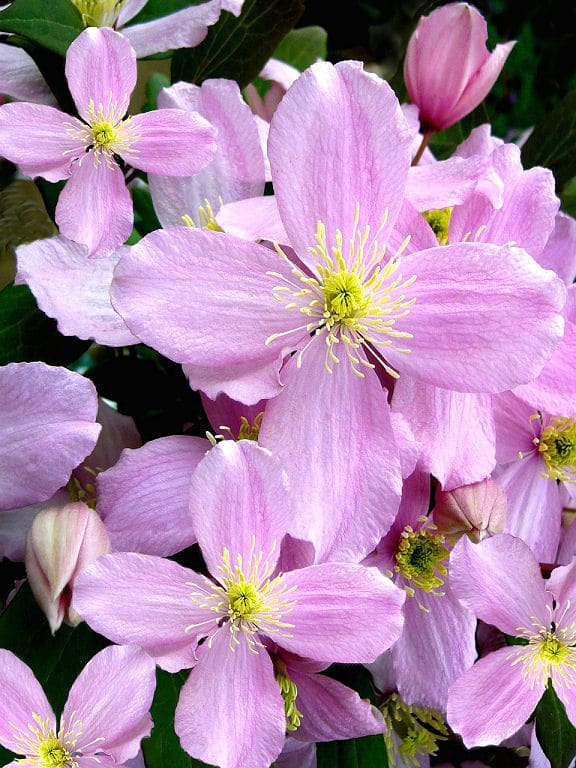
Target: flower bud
{"points": [[61, 542], [447, 69], [477, 510]]}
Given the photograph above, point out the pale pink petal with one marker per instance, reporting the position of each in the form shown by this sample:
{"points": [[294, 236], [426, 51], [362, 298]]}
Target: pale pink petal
{"points": [[353, 148], [296, 754], [456, 430], [248, 508], [499, 580], [22, 695], [14, 527], [144, 498], [128, 10], [562, 584], [112, 697], [182, 29], [20, 78], [35, 137], [485, 319], [491, 701], [344, 613], [515, 429], [101, 72], [436, 646], [56, 269], [331, 710], [211, 304], [145, 600], [445, 183], [171, 142], [237, 169], [47, 423], [225, 415], [344, 472], [230, 711], [559, 252], [248, 383], [256, 218], [96, 188], [563, 680]]}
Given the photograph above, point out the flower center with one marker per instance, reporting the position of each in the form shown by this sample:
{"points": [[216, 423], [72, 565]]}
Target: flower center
{"points": [[550, 648], [557, 445], [246, 599], [52, 753], [99, 13], [439, 220], [105, 133], [47, 749], [412, 731], [289, 692], [420, 557], [355, 298]]}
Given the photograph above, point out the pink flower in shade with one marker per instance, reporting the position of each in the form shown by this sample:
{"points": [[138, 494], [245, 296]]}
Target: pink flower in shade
{"points": [[231, 711], [447, 69], [499, 580], [103, 721], [43, 141]]}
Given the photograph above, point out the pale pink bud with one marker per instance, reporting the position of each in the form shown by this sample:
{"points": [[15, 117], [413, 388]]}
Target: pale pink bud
{"points": [[448, 69], [477, 510], [61, 542]]}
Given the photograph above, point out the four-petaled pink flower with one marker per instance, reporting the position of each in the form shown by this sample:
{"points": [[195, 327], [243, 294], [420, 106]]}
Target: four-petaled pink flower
{"points": [[95, 207]]}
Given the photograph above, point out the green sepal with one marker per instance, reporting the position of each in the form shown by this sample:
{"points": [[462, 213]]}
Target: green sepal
{"points": [[238, 47], [27, 334], [556, 734], [52, 24]]}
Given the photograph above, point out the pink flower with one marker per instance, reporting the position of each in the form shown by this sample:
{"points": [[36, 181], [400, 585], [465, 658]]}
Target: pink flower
{"points": [[499, 580], [103, 721], [448, 69], [43, 141]]}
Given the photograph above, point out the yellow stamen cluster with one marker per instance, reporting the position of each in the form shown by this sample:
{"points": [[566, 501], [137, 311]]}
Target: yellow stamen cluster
{"points": [[45, 748], [206, 218], [439, 220], [247, 431], [557, 446], [550, 648], [289, 692], [420, 559], [246, 599], [355, 299], [85, 493], [412, 732], [99, 13]]}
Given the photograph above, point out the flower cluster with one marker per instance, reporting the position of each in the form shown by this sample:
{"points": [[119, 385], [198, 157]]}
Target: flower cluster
{"points": [[362, 529]]}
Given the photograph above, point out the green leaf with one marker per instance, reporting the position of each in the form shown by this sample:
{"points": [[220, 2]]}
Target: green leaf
{"points": [[551, 143], [163, 748], [27, 334], [145, 219], [53, 24], [302, 47], [154, 85], [154, 9], [369, 752], [55, 660], [556, 734], [238, 48]]}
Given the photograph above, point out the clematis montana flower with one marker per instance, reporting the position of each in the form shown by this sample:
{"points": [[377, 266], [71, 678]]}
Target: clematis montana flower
{"points": [[232, 709], [103, 721], [43, 141], [499, 580]]}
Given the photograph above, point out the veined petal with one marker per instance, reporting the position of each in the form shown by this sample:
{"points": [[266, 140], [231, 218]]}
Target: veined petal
{"points": [[111, 698], [96, 188], [144, 600], [248, 383], [171, 142], [247, 508], [21, 78], [353, 147], [344, 471], [22, 696], [35, 137], [345, 613], [144, 498], [56, 269], [101, 72], [47, 423], [230, 711], [486, 318], [491, 701], [499, 580], [253, 219]]}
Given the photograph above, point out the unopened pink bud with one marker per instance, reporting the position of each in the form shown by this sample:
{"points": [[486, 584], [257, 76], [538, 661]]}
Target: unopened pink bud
{"points": [[61, 542], [477, 510], [448, 69]]}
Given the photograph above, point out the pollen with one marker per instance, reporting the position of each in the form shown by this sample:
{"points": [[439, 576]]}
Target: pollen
{"points": [[550, 652], [44, 748], [557, 446], [99, 13], [420, 559], [439, 220], [354, 299], [289, 692], [412, 732]]}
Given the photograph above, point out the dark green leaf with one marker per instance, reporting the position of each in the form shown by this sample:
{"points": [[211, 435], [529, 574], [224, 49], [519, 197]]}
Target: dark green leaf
{"points": [[53, 24], [145, 219], [556, 734], [163, 748], [551, 143], [302, 47], [154, 85], [369, 752], [238, 48], [55, 660], [27, 334], [156, 8]]}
